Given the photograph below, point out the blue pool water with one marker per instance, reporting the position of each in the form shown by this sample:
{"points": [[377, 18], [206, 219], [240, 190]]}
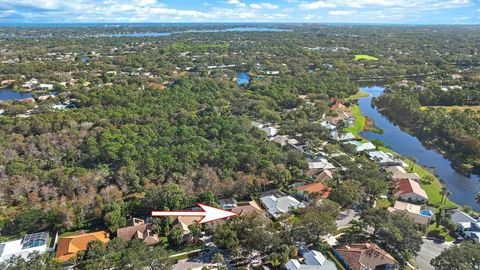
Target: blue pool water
{"points": [[426, 213]]}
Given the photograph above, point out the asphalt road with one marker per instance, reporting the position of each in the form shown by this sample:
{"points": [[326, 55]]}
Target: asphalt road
{"points": [[346, 217], [429, 250]]}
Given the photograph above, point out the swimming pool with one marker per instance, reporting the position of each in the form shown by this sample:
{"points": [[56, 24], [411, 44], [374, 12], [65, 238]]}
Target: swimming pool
{"points": [[426, 213]]}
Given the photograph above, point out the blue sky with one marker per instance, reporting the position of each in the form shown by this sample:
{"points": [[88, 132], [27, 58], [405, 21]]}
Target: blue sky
{"points": [[331, 11]]}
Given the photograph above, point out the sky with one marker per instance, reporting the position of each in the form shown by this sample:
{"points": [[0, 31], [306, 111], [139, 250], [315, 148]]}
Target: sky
{"points": [[325, 11]]}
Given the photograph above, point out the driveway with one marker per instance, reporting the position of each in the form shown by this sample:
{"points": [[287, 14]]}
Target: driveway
{"points": [[185, 264], [429, 250], [346, 217]]}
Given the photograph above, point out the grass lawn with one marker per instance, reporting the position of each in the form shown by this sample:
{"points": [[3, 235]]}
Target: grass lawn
{"points": [[359, 94], [365, 57], [359, 121], [382, 203]]}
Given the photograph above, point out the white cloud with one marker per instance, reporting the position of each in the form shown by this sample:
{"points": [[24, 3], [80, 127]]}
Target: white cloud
{"points": [[237, 3], [342, 12], [145, 2], [316, 5], [263, 5]]}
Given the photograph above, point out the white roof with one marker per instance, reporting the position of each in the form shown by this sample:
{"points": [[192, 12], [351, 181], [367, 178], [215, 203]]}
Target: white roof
{"points": [[281, 205], [461, 217], [17, 248], [327, 125], [321, 163], [342, 136], [257, 124], [314, 260], [383, 157], [271, 131], [314, 257], [412, 208], [362, 146], [292, 264]]}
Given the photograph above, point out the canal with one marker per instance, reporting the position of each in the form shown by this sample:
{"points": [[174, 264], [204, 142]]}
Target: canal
{"points": [[463, 188]]}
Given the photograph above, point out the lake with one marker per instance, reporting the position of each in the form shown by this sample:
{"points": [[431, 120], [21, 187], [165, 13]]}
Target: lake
{"points": [[243, 77], [463, 188], [8, 94]]}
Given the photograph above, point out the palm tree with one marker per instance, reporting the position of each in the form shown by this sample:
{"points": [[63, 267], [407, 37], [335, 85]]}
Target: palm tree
{"points": [[218, 259], [413, 161], [445, 193]]}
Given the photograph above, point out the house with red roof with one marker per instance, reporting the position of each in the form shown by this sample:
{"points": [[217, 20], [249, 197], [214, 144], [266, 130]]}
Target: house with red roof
{"points": [[317, 191], [409, 190], [365, 256]]}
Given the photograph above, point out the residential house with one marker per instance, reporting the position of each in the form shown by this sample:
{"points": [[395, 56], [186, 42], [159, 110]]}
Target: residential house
{"points": [[248, 208], [360, 147], [384, 158], [183, 222], [320, 175], [341, 136], [45, 86], [30, 243], [69, 246], [29, 84], [228, 203], [257, 124], [312, 260], [278, 204], [328, 125], [365, 256], [456, 76], [398, 172], [317, 191], [6, 82], [409, 190], [280, 139], [420, 215], [137, 229], [320, 164], [339, 107], [271, 131], [467, 226]]}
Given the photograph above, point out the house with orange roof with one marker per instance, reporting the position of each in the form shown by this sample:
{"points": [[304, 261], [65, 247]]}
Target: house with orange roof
{"points": [[317, 191], [410, 191], [69, 246], [365, 256]]}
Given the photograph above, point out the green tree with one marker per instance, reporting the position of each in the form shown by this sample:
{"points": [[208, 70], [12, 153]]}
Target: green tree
{"points": [[445, 193], [218, 259], [465, 256], [176, 237], [312, 225], [167, 197], [195, 231], [34, 261], [225, 237], [114, 217], [348, 193]]}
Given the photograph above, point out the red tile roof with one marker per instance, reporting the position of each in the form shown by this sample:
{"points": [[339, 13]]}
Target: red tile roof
{"points": [[366, 254], [407, 186], [319, 188]]}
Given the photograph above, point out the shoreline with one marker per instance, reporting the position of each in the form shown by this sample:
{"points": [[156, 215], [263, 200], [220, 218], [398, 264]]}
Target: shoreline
{"points": [[456, 163], [433, 188]]}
